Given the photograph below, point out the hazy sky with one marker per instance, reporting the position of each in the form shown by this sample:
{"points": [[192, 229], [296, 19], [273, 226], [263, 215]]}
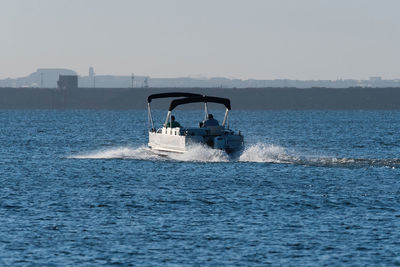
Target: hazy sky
{"points": [[262, 39]]}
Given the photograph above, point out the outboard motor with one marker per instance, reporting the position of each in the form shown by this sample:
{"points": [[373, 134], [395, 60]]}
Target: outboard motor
{"points": [[219, 142]]}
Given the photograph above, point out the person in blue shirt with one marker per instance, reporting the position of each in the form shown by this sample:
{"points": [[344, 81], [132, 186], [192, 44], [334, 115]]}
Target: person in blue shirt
{"points": [[174, 123], [210, 121]]}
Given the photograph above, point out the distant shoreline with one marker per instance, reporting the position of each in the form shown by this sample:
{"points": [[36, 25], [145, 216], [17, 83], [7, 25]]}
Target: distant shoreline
{"points": [[354, 98]]}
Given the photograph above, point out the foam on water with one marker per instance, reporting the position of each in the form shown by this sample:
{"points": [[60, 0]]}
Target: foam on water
{"points": [[350, 162]]}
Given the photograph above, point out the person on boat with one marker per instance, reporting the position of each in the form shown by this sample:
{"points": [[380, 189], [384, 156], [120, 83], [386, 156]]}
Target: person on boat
{"points": [[210, 121], [173, 123]]}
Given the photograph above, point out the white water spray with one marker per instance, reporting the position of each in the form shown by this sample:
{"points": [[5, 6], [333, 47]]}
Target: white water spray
{"points": [[140, 153], [265, 153]]}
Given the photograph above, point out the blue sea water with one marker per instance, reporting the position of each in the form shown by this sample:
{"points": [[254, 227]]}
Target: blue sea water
{"points": [[311, 188]]}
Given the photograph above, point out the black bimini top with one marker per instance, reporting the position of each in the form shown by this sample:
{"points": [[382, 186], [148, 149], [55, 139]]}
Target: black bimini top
{"points": [[172, 94], [204, 99]]}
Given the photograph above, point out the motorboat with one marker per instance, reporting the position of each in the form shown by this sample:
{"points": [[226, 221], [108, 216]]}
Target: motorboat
{"points": [[179, 139]]}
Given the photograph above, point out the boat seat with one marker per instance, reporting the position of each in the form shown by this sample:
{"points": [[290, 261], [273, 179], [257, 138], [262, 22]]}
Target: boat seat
{"points": [[196, 131]]}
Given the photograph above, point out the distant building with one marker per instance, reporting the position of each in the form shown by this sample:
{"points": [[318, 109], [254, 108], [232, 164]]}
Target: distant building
{"points": [[67, 82], [375, 79], [146, 82], [45, 78]]}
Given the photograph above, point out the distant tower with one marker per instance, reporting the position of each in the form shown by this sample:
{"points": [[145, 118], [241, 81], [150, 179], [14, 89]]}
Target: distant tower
{"points": [[133, 78], [91, 72], [146, 82], [92, 76]]}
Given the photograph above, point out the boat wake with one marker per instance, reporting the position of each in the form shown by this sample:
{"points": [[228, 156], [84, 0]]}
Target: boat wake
{"points": [[269, 153], [139, 153], [257, 153], [195, 154]]}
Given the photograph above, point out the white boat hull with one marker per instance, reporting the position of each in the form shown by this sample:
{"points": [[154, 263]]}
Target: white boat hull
{"points": [[163, 142], [174, 140]]}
